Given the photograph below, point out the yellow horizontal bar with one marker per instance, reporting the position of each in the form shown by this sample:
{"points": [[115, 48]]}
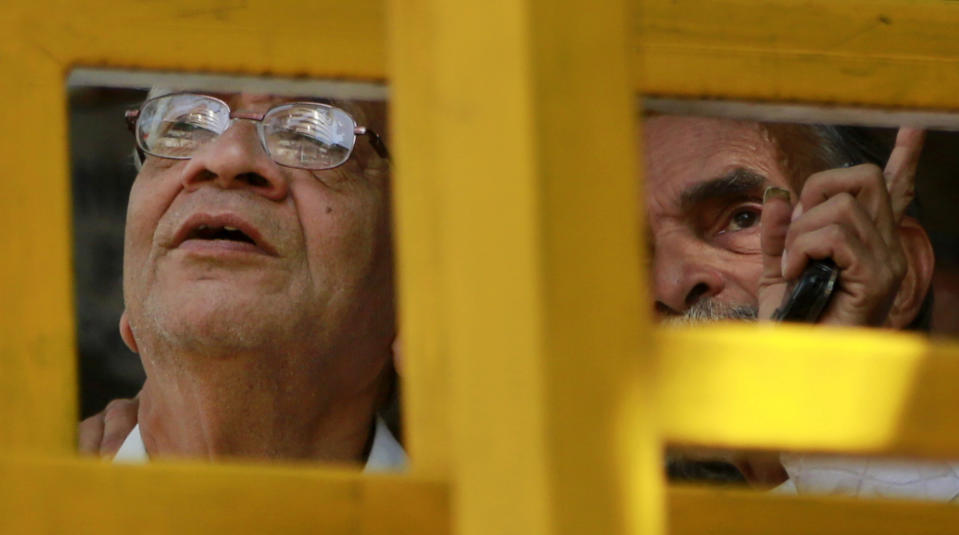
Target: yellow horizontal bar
{"points": [[698, 511], [797, 387], [290, 37], [899, 53], [90, 497]]}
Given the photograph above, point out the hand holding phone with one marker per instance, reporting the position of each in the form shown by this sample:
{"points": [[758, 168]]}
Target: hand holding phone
{"points": [[871, 227]]}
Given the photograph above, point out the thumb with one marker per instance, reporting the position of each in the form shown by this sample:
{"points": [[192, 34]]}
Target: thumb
{"points": [[775, 221], [774, 225]]}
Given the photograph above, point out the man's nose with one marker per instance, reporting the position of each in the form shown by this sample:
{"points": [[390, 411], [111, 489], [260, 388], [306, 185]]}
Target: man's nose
{"points": [[236, 159], [682, 275]]}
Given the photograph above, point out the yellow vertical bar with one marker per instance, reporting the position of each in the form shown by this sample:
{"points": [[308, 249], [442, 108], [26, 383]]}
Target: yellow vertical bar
{"points": [[417, 185], [37, 365], [524, 176]]}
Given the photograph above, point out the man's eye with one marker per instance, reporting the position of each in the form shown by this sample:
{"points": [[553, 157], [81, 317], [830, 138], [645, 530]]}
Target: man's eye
{"points": [[181, 128], [742, 219]]}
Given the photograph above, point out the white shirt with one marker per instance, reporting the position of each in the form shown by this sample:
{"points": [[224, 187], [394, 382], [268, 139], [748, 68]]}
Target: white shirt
{"points": [[386, 454], [870, 477]]}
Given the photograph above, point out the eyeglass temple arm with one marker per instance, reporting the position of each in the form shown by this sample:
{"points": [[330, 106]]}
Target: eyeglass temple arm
{"points": [[375, 141], [131, 117]]}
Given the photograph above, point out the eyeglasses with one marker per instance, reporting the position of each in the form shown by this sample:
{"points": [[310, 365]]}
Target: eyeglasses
{"points": [[304, 135]]}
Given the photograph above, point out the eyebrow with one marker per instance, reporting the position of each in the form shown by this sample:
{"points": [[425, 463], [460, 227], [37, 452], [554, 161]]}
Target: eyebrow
{"points": [[736, 183]]}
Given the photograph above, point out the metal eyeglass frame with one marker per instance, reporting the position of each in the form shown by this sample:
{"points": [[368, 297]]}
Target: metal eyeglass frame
{"points": [[133, 115]]}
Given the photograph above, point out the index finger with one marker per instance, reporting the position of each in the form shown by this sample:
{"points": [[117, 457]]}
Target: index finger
{"points": [[900, 171]]}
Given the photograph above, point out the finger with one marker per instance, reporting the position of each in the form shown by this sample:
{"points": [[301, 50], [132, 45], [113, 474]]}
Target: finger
{"points": [[868, 284], [774, 227], [832, 241], [119, 418], [865, 183], [847, 212], [90, 434], [900, 171]]}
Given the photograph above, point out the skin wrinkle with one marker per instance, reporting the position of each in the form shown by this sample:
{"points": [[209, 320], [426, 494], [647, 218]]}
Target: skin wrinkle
{"points": [[679, 159]]}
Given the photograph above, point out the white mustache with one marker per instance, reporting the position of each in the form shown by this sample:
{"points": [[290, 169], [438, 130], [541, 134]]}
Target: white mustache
{"points": [[707, 310]]}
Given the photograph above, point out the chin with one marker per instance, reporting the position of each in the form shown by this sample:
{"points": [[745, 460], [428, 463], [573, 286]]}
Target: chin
{"points": [[223, 323]]}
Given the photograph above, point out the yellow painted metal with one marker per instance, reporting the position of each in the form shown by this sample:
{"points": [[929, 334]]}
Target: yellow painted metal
{"points": [[416, 129], [37, 378], [286, 37], [40, 41], [898, 53], [698, 511], [535, 212], [811, 388], [90, 497]]}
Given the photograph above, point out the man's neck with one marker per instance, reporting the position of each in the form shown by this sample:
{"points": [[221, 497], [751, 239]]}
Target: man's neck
{"points": [[249, 408]]}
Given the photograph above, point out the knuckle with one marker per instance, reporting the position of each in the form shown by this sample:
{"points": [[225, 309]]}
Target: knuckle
{"points": [[837, 233], [846, 203], [871, 171], [817, 177], [115, 408], [91, 421]]}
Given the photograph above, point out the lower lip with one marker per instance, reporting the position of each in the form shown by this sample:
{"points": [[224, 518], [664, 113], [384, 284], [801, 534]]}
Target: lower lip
{"points": [[220, 247]]}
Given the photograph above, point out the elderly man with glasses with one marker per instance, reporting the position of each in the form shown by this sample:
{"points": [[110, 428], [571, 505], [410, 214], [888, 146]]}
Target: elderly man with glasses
{"points": [[258, 280]]}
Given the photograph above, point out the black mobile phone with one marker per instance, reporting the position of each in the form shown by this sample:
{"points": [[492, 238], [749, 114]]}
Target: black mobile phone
{"points": [[809, 296]]}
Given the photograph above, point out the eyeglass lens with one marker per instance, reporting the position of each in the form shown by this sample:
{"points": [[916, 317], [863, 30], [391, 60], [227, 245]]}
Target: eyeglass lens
{"points": [[301, 134]]}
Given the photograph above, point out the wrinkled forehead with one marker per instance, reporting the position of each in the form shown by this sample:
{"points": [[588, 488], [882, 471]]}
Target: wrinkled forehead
{"points": [[699, 147], [705, 146]]}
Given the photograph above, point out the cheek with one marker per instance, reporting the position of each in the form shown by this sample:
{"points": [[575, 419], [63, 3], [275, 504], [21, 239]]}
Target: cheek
{"points": [[344, 239], [142, 218], [744, 242], [150, 197]]}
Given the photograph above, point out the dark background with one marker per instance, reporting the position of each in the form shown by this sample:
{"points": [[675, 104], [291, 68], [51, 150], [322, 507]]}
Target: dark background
{"points": [[103, 169], [101, 152]]}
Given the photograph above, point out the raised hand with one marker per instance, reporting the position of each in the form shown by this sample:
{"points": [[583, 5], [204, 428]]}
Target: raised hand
{"points": [[853, 216]]}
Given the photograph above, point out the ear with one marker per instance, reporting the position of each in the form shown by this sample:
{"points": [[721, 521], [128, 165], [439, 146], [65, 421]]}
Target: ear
{"points": [[126, 332], [920, 261]]}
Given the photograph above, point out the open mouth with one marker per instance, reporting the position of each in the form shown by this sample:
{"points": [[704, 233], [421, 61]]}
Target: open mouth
{"points": [[222, 232], [207, 232]]}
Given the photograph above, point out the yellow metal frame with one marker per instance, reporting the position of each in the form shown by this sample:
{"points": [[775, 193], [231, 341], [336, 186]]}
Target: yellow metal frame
{"points": [[535, 398]]}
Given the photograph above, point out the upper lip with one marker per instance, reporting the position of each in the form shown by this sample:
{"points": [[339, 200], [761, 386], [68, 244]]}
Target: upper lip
{"points": [[233, 221]]}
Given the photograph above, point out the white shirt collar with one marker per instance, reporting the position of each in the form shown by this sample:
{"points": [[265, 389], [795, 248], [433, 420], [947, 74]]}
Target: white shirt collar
{"points": [[386, 454]]}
